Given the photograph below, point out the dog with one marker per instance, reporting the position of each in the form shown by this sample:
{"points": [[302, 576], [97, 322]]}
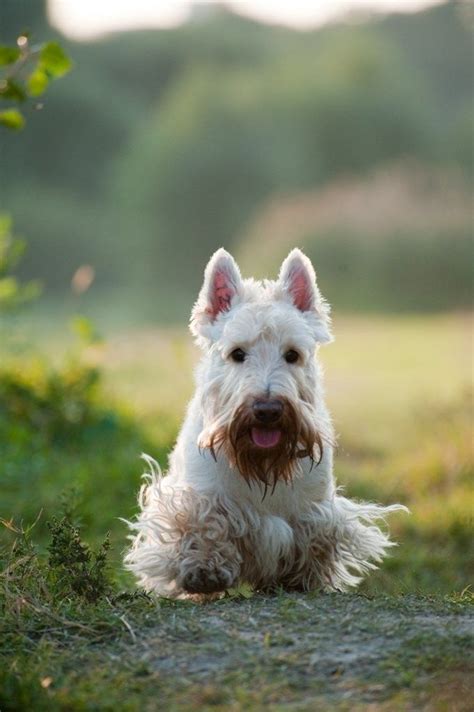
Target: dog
{"points": [[250, 495]]}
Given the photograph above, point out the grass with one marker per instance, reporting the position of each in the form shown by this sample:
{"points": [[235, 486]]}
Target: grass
{"points": [[76, 637], [63, 650], [398, 389]]}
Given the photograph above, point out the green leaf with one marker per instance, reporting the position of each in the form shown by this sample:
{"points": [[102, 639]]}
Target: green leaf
{"points": [[10, 89], [37, 82], [12, 119], [8, 55], [53, 60]]}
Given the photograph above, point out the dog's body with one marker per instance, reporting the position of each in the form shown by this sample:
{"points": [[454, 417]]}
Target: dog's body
{"points": [[250, 494]]}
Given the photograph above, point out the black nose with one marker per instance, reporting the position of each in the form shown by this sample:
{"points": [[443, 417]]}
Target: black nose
{"points": [[267, 411]]}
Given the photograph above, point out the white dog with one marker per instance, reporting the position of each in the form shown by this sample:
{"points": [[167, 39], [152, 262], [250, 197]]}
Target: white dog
{"points": [[250, 494]]}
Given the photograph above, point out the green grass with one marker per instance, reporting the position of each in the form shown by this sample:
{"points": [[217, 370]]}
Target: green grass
{"points": [[74, 636], [398, 388], [63, 649]]}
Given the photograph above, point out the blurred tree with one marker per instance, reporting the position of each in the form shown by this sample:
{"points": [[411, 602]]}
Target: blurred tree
{"points": [[438, 42], [75, 181], [461, 140], [223, 140]]}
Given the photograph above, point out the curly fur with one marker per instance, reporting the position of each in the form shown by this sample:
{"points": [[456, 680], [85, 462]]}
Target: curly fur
{"points": [[330, 546], [213, 522]]}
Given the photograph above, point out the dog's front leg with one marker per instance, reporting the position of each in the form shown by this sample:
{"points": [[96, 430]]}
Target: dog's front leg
{"points": [[208, 558], [208, 563], [185, 542]]}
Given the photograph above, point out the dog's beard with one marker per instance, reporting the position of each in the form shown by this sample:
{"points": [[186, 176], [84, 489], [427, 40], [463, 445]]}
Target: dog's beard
{"points": [[299, 438]]}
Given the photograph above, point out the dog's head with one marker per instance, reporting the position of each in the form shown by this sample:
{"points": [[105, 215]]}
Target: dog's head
{"points": [[259, 380]]}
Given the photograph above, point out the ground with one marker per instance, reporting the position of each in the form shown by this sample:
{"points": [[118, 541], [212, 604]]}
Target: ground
{"points": [[309, 652], [282, 652]]}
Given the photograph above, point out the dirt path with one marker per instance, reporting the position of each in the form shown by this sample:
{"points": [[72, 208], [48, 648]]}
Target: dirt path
{"points": [[302, 652]]}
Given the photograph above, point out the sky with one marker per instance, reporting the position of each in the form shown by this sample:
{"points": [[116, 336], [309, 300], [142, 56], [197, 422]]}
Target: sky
{"points": [[86, 19]]}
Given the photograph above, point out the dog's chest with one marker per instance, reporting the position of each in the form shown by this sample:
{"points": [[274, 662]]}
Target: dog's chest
{"points": [[286, 500]]}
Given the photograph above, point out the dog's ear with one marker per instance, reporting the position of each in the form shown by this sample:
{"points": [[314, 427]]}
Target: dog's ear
{"points": [[298, 279], [222, 283]]}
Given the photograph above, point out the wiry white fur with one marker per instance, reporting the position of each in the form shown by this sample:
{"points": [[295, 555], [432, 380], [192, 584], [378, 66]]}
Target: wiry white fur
{"points": [[203, 522]]}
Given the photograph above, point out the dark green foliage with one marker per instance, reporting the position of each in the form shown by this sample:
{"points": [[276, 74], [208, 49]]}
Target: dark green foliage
{"points": [[20, 692], [75, 568], [25, 72], [52, 605], [12, 119], [57, 406], [55, 432], [9, 55], [72, 582]]}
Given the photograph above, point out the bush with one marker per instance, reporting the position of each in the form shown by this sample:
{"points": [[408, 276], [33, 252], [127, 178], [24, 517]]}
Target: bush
{"points": [[54, 406], [58, 434]]}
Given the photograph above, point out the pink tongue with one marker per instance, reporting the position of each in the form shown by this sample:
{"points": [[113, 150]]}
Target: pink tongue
{"points": [[265, 438]]}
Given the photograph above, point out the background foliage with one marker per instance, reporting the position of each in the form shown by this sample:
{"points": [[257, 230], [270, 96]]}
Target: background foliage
{"points": [[164, 145]]}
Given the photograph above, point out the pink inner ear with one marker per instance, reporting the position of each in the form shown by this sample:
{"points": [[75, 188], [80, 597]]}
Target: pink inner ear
{"points": [[301, 289], [222, 291]]}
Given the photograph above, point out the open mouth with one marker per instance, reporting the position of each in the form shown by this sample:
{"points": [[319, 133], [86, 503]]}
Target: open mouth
{"points": [[264, 438]]}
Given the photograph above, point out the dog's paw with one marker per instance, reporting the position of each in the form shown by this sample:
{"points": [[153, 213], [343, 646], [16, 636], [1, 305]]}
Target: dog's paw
{"points": [[202, 580]]}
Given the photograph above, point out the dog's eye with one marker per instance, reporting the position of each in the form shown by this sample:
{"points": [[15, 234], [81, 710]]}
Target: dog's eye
{"points": [[238, 355], [291, 356]]}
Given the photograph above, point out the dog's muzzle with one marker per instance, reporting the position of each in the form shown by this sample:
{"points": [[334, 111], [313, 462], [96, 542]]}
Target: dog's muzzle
{"points": [[267, 413]]}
